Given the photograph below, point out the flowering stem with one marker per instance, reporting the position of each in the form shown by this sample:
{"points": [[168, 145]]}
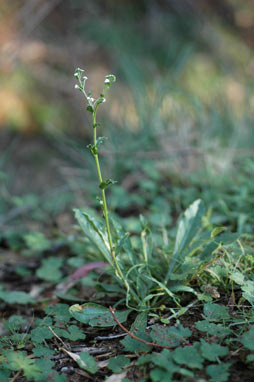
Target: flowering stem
{"points": [[104, 203], [93, 107]]}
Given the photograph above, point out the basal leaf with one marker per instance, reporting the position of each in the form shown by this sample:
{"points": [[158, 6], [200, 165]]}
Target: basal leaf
{"points": [[188, 227], [94, 232], [96, 315]]}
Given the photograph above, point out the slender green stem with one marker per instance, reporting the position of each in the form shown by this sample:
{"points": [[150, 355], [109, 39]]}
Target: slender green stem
{"points": [[104, 204], [105, 208]]}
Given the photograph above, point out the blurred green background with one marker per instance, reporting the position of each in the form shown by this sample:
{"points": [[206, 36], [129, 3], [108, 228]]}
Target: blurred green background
{"points": [[179, 119]]}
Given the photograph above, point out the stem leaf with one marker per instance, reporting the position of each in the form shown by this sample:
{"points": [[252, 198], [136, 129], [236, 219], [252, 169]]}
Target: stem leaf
{"points": [[107, 183]]}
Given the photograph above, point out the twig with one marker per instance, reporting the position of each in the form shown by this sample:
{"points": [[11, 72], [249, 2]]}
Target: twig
{"points": [[175, 315], [82, 348], [16, 376], [59, 339], [112, 311], [113, 337]]}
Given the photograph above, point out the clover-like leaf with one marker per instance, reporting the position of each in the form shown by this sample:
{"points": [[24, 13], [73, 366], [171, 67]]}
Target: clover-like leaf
{"points": [[19, 361], [169, 336], [216, 312], [218, 373], [213, 329], [88, 362], [212, 351], [50, 269], [117, 363], [189, 356], [248, 339]]}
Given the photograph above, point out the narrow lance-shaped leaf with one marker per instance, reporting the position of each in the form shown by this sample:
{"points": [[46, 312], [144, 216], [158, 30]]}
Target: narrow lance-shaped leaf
{"points": [[188, 227], [92, 230]]}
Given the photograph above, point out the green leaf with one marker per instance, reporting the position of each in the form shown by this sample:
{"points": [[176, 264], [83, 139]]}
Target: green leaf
{"points": [[49, 271], [100, 140], [19, 361], [4, 375], [37, 241], [216, 312], [138, 328], [96, 315], [90, 108], [100, 100], [116, 364], [169, 336], [74, 333], [237, 277], [94, 231], [147, 240], [216, 231], [40, 334], [248, 291], [227, 238], [60, 312], [212, 351], [16, 297], [188, 227], [45, 365], [43, 351], [218, 373], [14, 322], [212, 329], [165, 361], [160, 375], [189, 356], [107, 183], [88, 363], [250, 358], [248, 339], [93, 149]]}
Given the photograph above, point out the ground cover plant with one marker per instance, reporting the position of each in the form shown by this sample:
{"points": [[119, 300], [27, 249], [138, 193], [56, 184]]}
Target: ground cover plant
{"points": [[169, 302]]}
